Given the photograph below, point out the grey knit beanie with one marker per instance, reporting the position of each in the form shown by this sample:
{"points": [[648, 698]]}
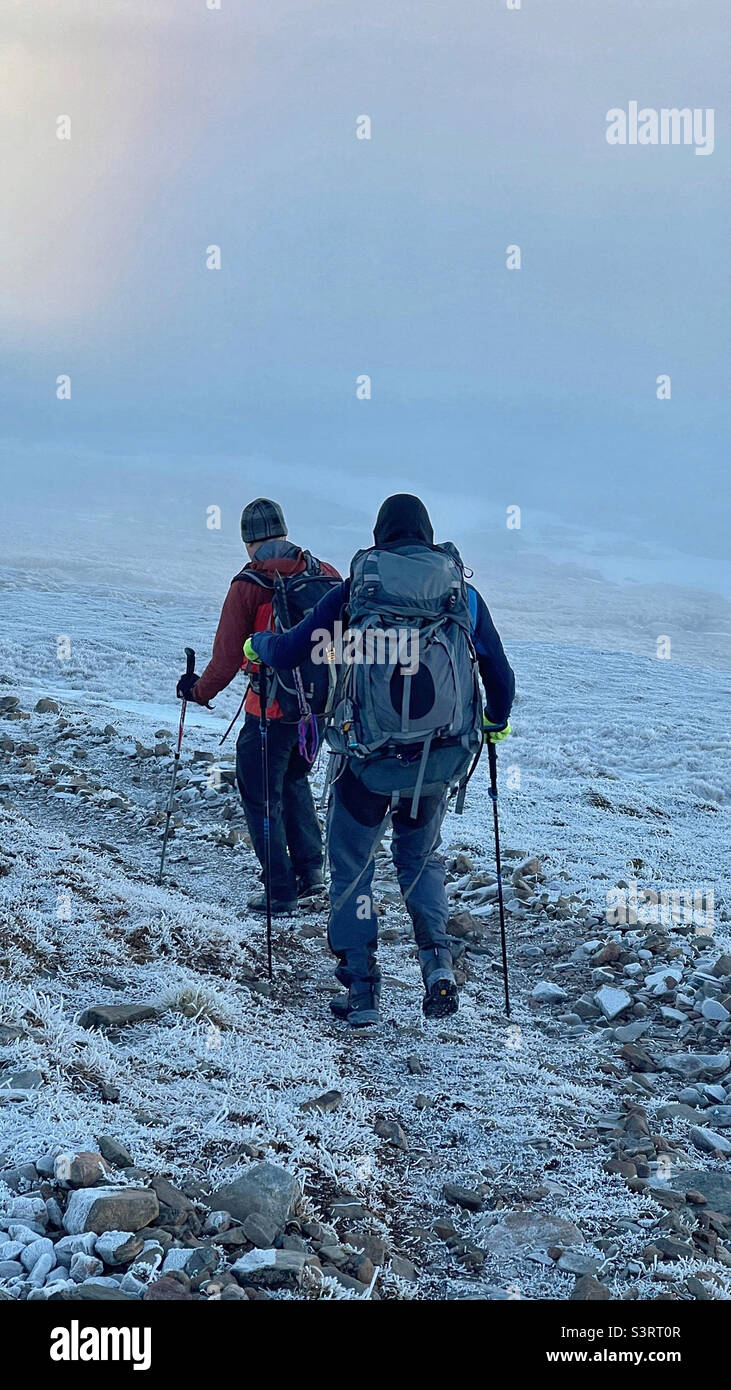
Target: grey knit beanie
{"points": [[261, 520]]}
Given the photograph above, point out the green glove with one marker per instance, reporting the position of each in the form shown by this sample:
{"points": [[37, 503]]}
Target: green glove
{"points": [[494, 733], [249, 652]]}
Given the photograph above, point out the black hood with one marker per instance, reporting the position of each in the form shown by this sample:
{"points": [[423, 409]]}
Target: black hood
{"points": [[403, 518]]}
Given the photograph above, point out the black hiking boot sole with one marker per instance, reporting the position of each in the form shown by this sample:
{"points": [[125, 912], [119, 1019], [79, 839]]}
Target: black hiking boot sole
{"points": [[441, 999], [279, 909], [355, 1018], [363, 1018], [311, 890]]}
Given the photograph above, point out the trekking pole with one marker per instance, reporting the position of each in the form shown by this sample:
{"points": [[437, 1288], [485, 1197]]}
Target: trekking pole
{"points": [[492, 760], [263, 730], [329, 774], [326, 719], [189, 669]]}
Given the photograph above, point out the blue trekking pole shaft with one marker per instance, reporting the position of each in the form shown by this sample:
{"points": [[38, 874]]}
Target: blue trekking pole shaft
{"points": [[492, 760], [189, 669], [263, 729]]}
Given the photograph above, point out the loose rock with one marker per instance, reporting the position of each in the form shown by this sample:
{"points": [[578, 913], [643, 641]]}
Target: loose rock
{"points": [[81, 1169], [118, 1247], [264, 1188], [710, 1142], [588, 1289], [526, 1230], [110, 1209], [115, 1152], [391, 1131], [547, 993], [329, 1101], [105, 1016], [271, 1268], [467, 1198], [714, 1187], [612, 1001], [695, 1066]]}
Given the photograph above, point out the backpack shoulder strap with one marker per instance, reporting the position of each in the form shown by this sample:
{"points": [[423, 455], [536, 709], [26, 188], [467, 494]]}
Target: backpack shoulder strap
{"points": [[449, 548], [312, 564], [357, 559], [254, 577]]}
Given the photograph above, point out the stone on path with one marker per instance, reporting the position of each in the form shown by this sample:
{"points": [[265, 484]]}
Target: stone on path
{"points": [[264, 1188], [392, 1132], [260, 1230], [612, 1001], [466, 1197], [20, 1080], [710, 1142], [174, 1205], [103, 1209], [630, 1032], [695, 1066], [115, 1015], [329, 1101], [518, 1231], [271, 1268], [82, 1169], [115, 1152], [118, 1247], [97, 1292], [166, 1289], [547, 993], [589, 1290], [715, 1011], [714, 1186]]}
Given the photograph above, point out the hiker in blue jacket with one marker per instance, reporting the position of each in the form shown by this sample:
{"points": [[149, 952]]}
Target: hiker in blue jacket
{"points": [[357, 813]]}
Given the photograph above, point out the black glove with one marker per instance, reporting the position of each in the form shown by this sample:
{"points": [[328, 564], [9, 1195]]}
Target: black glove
{"points": [[184, 689]]}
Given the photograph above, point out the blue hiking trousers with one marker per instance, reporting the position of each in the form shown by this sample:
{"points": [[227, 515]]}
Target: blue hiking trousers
{"points": [[356, 823]]}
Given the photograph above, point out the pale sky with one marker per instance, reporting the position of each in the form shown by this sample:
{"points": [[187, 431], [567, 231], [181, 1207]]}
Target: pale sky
{"points": [[237, 127]]}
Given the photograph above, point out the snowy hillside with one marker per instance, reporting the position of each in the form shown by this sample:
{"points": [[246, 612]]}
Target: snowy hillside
{"points": [[585, 1139]]}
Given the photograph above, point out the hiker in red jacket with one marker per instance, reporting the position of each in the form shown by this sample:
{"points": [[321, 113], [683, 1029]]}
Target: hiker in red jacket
{"points": [[295, 838]]}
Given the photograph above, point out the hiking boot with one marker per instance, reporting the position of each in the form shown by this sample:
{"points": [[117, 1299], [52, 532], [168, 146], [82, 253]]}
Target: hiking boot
{"points": [[441, 997], [308, 887], [279, 908], [359, 1007]]}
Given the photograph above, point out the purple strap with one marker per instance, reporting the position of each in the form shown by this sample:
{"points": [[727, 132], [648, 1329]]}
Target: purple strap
{"points": [[308, 737]]}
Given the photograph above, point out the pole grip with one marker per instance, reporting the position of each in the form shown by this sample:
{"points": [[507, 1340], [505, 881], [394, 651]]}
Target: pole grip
{"points": [[190, 661], [492, 763]]}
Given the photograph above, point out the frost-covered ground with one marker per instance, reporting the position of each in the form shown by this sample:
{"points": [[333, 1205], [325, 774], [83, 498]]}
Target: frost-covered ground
{"points": [[617, 771]]}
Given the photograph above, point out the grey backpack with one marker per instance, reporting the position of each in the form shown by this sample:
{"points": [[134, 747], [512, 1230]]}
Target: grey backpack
{"points": [[409, 714]]}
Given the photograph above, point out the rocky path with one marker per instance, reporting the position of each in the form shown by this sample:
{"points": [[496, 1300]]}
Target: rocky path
{"points": [[173, 1126]]}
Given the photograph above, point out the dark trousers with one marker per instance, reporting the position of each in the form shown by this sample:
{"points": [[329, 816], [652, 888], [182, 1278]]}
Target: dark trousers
{"points": [[295, 839], [356, 822]]}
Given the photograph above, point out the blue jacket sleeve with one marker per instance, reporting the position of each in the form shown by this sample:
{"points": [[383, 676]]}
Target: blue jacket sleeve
{"points": [[495, 670], [283, 650]]}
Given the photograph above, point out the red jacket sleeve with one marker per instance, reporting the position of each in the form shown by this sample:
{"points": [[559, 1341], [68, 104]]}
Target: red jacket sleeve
{"points": [[234, 626]]}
